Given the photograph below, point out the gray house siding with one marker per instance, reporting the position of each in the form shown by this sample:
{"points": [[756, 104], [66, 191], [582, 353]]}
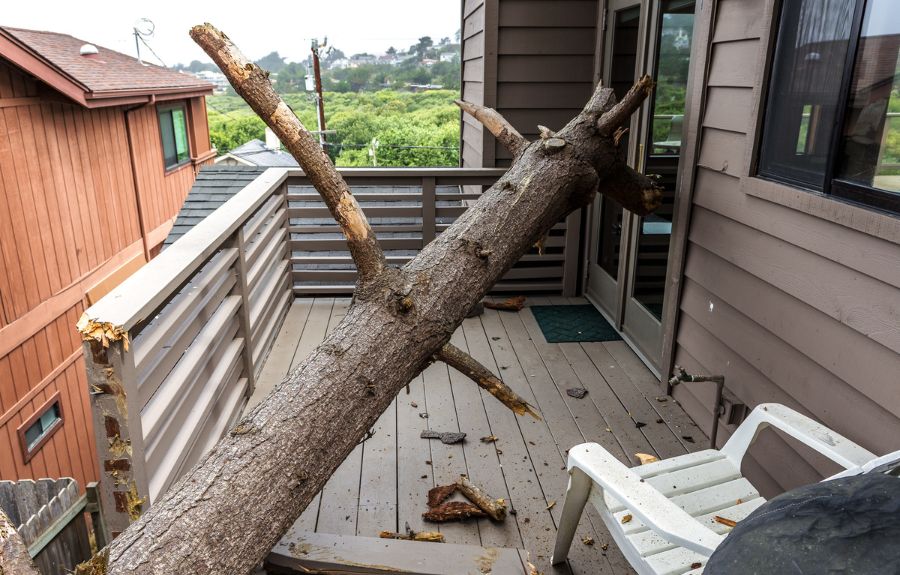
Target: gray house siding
{"points": [[532, 60], [794, 297]]}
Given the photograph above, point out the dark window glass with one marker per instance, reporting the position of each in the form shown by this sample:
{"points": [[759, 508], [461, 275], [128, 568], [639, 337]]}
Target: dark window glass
{"points": [[37, 430], [173, 130], [805, 89], [870, 139]]}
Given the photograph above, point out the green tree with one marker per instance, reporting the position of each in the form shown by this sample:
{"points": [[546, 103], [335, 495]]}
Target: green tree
{"points": [[271, 62]]}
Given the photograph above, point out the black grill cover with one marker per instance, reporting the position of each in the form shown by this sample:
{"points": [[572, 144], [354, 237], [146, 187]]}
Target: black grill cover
{"points": [[849, 525]]}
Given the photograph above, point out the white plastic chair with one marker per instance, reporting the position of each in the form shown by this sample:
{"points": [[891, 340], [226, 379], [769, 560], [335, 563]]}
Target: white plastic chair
{"points": [[662, 515]]}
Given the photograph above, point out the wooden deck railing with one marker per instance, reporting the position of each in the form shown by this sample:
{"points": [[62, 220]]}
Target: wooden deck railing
{"points": [[188, 333], [407, 208]]}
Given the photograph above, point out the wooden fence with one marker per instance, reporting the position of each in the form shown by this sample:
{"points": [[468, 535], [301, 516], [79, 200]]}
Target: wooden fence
{"points": [[172, 353], [49, 516]]}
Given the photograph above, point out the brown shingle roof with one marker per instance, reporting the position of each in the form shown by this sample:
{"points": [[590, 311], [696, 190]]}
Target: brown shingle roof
{"points": [[106, 74]]}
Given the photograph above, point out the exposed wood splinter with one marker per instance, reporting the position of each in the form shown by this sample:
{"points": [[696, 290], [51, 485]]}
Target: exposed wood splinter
{"points": [[429, 536], [466, 364]]}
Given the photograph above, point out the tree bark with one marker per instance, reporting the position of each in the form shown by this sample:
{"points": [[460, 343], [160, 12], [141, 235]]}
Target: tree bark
{"points": [[14, 558], [227, 513]]}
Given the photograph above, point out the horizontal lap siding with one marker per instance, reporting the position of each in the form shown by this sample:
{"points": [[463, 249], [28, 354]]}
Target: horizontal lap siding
{"points": [[545, 63], [791, 308], [473, 70]]}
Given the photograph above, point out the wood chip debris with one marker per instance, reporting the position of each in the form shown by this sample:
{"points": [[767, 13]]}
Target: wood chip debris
{"points": [[696, 565], [688, 438], [725, 521], [576, 392], [587, 540], [429, 536], [489, 439], [551, 505], [101, 331], [512, 304], [447, 437], [441, 510], [453, 511], [645, 458], [439, 494], [627, 518]]}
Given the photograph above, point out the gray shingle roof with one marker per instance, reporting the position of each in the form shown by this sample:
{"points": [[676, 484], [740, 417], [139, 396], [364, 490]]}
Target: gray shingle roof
{"points": [[256, 152], [214, 186]]}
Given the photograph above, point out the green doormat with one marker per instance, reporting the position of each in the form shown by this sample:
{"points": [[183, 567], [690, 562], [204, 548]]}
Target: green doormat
{"points": [[561, 323]]}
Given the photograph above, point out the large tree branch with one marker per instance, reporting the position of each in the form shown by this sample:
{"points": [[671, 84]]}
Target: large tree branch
{"points": [[14, 558], [226, 513], [252, 83], [468, 366], [497, 125], [634, 191], [618, 115]]}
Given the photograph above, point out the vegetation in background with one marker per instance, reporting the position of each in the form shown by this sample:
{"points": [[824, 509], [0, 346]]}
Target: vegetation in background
{"points": [[408, 129]]}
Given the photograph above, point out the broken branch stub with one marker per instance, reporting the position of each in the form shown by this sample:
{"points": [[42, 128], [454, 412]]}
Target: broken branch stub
{"points": [[252, 83], [468, 366], [495, 508], [497, 125]]}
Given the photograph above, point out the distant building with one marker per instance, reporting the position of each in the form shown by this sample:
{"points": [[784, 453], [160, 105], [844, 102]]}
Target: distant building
{"points": [[217, 79], [449, 56], [257, 153], [424, 87]]}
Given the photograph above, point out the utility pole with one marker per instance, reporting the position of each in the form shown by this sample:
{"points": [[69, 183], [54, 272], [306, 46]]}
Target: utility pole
{"points": [[320, 104]]}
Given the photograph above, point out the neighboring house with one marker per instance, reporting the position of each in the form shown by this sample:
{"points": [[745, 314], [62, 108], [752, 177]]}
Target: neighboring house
{"points": [[266, 154], [97, 153], [775, 258]]}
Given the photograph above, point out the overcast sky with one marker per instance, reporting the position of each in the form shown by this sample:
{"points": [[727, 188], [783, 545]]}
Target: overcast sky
{"points": [[256, 27]]}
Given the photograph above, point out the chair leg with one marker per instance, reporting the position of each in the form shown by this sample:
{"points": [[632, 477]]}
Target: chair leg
{"points": [[576, 497]]}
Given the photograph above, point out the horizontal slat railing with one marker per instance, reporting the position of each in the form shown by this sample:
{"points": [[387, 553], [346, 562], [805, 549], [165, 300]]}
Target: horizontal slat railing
{"points": [[407, 208], [199, 320]]}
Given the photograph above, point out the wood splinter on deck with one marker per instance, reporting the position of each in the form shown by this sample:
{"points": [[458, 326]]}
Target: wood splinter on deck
{"points": [[495, 508], [510, 304], [468, 366]]}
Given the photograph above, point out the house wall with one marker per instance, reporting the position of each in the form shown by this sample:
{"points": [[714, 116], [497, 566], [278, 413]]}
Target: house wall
{"points": [[532, 60], [70, 232], [795, 298]]}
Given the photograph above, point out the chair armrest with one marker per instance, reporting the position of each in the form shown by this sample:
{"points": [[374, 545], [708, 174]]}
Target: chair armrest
{"points": [[646, 503], [813, 434]]}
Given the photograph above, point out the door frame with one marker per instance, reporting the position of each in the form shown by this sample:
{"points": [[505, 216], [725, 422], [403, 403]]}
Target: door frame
{"points": [[695, 101]]}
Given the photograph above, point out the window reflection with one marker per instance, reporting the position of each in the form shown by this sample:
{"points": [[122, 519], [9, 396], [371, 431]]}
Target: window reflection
{"points": [[871, 135]]}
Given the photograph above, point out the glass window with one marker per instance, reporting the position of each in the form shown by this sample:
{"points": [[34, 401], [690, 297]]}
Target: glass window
{"points": [[805, 88], [39, 428], [870, 139], [833, 114], [173, 130]]}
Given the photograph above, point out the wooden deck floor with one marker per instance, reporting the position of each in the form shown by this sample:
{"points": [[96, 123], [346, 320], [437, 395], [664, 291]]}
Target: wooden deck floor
{"points": [[382, 485]]}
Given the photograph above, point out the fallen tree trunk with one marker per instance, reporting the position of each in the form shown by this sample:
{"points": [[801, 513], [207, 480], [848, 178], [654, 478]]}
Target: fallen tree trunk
{"points": [[228, 512], [14, 558]]}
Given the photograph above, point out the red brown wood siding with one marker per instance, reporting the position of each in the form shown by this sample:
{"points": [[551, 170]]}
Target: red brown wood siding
{"points": [[69, 221], [792, 308]]}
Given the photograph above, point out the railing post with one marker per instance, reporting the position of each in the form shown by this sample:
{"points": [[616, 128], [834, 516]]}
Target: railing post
{"points": [[123, 490], [429, 214], [572, 245], [242, 289]]}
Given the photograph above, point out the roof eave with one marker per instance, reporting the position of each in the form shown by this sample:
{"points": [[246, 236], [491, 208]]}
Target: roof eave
{"points": [[128, 97], [23, 57]]}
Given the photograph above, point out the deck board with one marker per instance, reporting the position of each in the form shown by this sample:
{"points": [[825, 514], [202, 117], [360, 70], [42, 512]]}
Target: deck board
{"points": [[383, 483]]}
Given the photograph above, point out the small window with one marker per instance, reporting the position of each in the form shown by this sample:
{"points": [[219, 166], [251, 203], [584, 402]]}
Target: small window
{"points": [[173, 129], [37, 429], [832, 121]]}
